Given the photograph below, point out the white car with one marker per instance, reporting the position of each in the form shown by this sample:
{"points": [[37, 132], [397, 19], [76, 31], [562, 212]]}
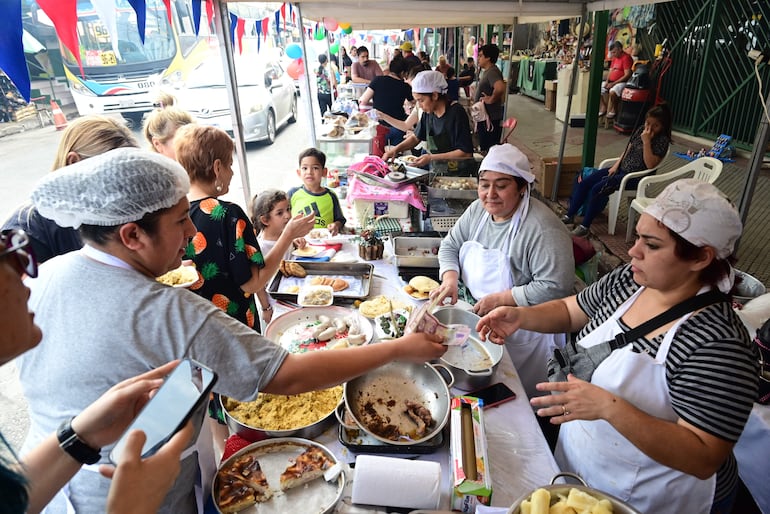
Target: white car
{"points": [[266, 93]]}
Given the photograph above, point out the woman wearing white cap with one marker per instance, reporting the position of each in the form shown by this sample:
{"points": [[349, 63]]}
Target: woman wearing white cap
{"points": [[509, 249], [105, 318], [444, 125], [655, 419]]}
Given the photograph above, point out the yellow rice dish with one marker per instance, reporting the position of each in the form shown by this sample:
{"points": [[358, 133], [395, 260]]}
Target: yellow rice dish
{"points": [[279, 412]]}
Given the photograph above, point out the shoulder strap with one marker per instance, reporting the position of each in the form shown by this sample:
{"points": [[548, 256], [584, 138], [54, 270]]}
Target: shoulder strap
{"points": [[677, 311]]}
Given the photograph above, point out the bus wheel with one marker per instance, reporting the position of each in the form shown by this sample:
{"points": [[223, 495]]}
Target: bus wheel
{"points": [[270, 128], [133, 119], [293, 117]]}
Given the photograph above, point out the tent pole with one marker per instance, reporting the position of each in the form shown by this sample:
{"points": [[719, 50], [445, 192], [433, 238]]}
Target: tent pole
{"points": [[307, 97], [755, 167], [572, 80], [222, 27]]}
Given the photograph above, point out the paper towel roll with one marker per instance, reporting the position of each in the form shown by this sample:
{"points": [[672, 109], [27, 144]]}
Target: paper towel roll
{"points": [[392, 482]]}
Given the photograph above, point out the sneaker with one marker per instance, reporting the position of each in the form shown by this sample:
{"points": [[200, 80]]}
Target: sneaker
{"points": [[580, 231], [567, 219], [602, 113], [610, 115]]}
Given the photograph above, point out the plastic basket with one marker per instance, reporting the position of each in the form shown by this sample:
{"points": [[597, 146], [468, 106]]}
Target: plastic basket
{"points": [[443, 223]]}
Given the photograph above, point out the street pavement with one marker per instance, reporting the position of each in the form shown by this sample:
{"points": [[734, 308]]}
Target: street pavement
{"points": [[27, 152]]}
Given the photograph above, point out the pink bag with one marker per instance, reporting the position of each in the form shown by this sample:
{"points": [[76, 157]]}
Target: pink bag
{"points": [[372, 165], [479, 114]]}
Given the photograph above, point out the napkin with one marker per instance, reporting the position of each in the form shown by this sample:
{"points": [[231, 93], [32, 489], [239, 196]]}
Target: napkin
{"points": [[396, 482]]}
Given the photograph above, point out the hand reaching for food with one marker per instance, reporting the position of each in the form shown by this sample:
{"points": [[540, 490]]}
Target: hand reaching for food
{"points": [[300, 225]]}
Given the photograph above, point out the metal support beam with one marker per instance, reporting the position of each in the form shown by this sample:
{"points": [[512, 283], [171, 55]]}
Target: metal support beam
{"points": [[222, 28], [755, 166], [598, 51], [571, 90], [307, 97]]}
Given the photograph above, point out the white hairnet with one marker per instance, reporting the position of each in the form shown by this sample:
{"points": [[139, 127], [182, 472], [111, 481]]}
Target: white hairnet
{"points": [[427, 82], [507, 159], [110, 189], [700, 213]]}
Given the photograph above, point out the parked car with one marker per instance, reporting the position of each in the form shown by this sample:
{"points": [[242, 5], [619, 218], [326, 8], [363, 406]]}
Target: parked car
{"points": [[266, 93]]}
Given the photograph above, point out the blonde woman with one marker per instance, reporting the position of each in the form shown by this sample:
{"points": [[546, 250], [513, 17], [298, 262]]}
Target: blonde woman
{"points": [[85, 137], [160, 126]]}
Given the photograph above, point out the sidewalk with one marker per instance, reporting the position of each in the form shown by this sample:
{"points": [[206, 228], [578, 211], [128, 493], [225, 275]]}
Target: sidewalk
{"points": [[14, 127], [538, 134]]}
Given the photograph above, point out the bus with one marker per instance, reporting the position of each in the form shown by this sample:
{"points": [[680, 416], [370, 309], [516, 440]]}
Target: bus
{"points": [[122, 75]]}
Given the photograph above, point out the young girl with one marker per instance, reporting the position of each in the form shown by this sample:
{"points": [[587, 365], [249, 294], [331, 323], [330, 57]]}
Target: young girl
{"points": [[270, 213]]}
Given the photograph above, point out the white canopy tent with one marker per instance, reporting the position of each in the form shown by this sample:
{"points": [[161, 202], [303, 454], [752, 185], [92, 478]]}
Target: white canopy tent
{"points": [[404, 14]]}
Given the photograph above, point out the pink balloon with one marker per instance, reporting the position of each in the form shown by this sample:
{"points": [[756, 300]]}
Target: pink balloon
{"points": [[296, 69], [331, 24]]}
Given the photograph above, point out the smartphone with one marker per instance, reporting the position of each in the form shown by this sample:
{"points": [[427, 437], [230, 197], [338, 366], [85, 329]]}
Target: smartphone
{"points": [[493, 395], [183, 391]]}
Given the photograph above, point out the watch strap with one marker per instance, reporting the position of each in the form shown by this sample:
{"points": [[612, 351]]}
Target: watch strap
{"points": [[74, 446]]}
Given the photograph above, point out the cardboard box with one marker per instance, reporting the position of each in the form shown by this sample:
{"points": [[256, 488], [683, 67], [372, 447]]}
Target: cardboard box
{"points": [[550, 100], [467, 492], [550, 85], [544, 178], [391, 208]]}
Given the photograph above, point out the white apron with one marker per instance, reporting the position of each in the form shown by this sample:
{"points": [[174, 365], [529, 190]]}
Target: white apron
{"points": [[488, 270], [607, 460], [204, 445]]}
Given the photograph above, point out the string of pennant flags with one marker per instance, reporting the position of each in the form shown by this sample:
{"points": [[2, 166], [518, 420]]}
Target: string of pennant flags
{"points": [[63, 15]]}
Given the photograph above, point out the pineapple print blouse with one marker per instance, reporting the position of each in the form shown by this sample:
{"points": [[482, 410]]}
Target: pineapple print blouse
{"points": [[224, 249]]}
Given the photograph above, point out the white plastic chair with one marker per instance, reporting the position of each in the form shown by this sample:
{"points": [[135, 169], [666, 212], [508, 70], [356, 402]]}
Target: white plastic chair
{"points": [[706, 169], [623, 193]]}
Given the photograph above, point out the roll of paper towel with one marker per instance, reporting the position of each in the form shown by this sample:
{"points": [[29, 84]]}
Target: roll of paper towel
{"points": [[392, 482]]}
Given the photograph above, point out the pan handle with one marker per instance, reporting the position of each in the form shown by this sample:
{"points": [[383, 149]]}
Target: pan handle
{"points": [[339, 414], [570, 475], [441, 371], [481, 373]]}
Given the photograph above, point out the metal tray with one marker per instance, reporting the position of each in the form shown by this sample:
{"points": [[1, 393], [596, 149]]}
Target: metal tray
{"points": [[359, 441], [440, 192], [352, 272], [416, 251], [412, 175]]}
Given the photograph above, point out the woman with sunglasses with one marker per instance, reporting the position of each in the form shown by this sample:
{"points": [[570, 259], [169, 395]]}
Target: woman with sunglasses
{"points": [[28, 485]]}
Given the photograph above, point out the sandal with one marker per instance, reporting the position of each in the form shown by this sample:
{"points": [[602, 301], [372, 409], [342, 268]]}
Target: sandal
{"points": [[602, 113], [610, 115]]}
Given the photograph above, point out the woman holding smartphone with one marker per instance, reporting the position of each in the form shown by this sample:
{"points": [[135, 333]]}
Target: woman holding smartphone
{"points": [[26, 486]]}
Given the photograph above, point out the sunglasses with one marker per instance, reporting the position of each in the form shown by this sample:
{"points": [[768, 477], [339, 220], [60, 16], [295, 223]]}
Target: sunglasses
{"points": [[16, 243]]}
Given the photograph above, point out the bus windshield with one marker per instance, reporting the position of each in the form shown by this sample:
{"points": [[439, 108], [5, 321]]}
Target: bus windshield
{"points": [[100, 48]]}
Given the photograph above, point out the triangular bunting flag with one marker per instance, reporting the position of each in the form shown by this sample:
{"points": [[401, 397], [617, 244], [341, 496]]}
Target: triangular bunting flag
{"points": [[239, 30], [141, 16], [12, 60], [278, 22], [64, 15], [265, 26], [196, 9]]}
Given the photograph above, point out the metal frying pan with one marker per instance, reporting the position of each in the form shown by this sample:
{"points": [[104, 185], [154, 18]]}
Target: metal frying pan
{"points": [[380, 396]]}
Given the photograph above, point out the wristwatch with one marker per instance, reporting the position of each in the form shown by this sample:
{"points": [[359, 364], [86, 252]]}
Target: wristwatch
{"points": [[77, 449]]}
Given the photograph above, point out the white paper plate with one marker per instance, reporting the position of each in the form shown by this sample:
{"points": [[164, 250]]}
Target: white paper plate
{"points": [[187, 273], [308, 251]]}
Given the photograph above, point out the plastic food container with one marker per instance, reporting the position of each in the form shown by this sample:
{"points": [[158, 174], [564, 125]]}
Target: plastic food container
{"points": [[316, 296]]}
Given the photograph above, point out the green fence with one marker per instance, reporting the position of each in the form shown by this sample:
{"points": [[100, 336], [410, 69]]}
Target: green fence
{"points": [[711, 85]]}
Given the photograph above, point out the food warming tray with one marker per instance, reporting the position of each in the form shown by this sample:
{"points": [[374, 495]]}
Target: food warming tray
{"points": [[358, 441], [416, 251], [358, 275]]}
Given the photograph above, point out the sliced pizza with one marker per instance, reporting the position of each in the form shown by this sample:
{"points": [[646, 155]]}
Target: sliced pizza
{"points": [[307, 467], [242, 484]]}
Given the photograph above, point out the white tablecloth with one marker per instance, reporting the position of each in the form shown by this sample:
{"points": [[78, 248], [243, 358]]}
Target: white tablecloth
{"points": [[519, 456], [753, 454]]}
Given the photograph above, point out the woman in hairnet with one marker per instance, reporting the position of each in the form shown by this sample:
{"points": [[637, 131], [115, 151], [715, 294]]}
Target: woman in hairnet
{"points": [[509, 249], [444, 124], [655, 421], [105, 318]]}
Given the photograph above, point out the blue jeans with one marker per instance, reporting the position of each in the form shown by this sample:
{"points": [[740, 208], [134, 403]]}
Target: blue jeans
{"points": [[594, 191]]}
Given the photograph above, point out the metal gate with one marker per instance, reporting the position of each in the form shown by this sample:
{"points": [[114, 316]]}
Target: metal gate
{"points": [[712, 86]]}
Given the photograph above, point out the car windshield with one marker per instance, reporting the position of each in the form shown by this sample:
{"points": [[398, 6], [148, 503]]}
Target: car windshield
{"points": [[212, 74]]}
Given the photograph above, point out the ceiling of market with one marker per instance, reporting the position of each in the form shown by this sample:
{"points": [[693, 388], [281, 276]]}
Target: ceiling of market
{"points": [[405, 14]]}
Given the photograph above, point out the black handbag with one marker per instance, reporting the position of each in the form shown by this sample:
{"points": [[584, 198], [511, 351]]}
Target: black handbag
{"points": [[582, 362]]}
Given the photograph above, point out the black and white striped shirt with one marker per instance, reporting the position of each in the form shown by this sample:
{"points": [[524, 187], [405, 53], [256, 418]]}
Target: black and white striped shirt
{"points": [[712, 367]]}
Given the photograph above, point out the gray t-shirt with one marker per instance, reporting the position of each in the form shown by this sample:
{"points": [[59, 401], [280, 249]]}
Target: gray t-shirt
{"points": [[540, 255], [487, 80], [103, 324]]}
